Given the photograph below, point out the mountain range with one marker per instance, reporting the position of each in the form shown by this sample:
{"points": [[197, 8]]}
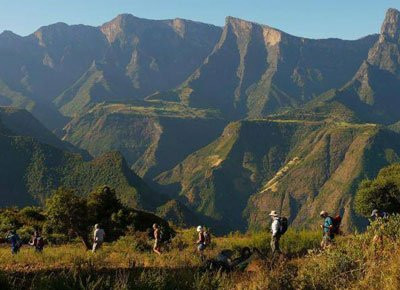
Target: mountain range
{"points": [[203, 123]]}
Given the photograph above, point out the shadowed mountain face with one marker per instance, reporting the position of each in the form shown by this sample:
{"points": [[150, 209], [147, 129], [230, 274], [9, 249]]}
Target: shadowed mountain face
{"points": [[374, 91], [71, 67], [33, 163], [256, 70]]}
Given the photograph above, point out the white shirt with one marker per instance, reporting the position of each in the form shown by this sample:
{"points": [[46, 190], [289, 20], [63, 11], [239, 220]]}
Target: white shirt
{"points": [[275, 226], [99, 235]]}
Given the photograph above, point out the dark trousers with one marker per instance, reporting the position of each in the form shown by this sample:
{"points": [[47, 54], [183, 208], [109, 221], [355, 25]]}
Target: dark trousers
{"points": [[275, 244]]}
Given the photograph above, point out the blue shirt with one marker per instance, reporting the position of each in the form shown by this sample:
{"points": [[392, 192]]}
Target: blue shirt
{"points": [[14, 238], [327, 224]]}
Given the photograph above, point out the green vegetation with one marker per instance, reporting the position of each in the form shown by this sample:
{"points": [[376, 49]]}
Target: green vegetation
{"points": [[381, 193], [159, 136], [294, 166], [354, 262], [68, 216]]}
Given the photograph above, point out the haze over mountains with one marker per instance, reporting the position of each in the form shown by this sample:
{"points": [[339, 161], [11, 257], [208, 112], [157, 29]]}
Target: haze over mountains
{"points": [[224, 124]]}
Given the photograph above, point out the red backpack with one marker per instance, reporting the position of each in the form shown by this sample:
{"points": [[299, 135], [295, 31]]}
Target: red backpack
{"points": [[336, 221]]}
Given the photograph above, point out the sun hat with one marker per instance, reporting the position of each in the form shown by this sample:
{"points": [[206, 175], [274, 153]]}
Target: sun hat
{"points": [[199, 229], [323, 213], [374, 213]]}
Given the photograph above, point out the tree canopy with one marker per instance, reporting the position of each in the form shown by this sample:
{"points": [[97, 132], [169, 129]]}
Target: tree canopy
{"points": [[382, 193]]}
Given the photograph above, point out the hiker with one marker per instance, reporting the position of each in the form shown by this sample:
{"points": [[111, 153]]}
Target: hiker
{"points": [[98, 237], [157, 239], [276, 233], [378, 237], [376, 214], [201, 241], [327, 228], [37, 242], [15, 240]]}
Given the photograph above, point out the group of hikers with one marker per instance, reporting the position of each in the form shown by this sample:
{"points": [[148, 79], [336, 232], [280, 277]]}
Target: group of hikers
{"points": [[203, 240], [330, 228], [16, 243]]}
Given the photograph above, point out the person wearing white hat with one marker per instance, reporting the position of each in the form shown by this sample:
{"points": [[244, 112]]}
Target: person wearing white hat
{"points": [[201, 241], [327, 229], [275, 236]]}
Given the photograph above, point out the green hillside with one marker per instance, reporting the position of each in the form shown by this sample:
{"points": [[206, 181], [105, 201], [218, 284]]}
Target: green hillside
{"points": [[30, 169], [296, 167], [152, 136]]}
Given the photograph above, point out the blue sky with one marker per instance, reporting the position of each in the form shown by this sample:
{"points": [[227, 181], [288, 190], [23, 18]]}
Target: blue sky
{"points": [[349, 19]]}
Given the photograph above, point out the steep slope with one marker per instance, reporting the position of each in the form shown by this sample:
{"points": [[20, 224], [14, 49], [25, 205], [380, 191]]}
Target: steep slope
{"points": [[373, 93], [22, 123], [30, 170], [153, 137], [57, 54], [133, 57], [296, 167], [255, 70]]}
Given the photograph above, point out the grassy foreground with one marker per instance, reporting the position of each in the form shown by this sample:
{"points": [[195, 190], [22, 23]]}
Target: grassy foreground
{"points": [[354, 263]]}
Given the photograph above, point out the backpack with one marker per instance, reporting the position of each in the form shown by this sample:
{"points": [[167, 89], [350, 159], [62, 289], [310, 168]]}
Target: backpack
{"points": [[18, 243], [336, 221], [207, 238], [165, 235], [39, 243], [283, 225]]}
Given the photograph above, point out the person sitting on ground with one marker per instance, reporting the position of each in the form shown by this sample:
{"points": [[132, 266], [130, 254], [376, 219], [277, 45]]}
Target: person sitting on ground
{"points": [[157, 239], [201, 241], [98, 237], [275, 232], [37, 242], [15, 240], [327, 227]]}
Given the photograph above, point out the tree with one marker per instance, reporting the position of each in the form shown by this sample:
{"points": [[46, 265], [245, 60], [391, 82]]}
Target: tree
{"points": [[382, 193], [103, 204], [66, 211]]}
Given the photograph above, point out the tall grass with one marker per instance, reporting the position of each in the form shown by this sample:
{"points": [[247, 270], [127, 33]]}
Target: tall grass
{"points": [[353, 262]]}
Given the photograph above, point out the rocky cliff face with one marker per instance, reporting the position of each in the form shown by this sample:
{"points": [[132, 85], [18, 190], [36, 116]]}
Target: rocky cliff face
{"points": [[373, 91], [134, 57], [256, 70]]}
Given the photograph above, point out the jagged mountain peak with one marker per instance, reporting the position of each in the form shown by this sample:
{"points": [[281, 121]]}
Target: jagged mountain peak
{"points": [[391, 25], [386, 52], [243, 28]]}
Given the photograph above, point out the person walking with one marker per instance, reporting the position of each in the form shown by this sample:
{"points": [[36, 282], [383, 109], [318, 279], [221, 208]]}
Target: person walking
{"points": [[98, 237], [15, 240], [327, 228], [37, 242], [275, 232], [381, 217], [201, 241], [157, 239]]}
